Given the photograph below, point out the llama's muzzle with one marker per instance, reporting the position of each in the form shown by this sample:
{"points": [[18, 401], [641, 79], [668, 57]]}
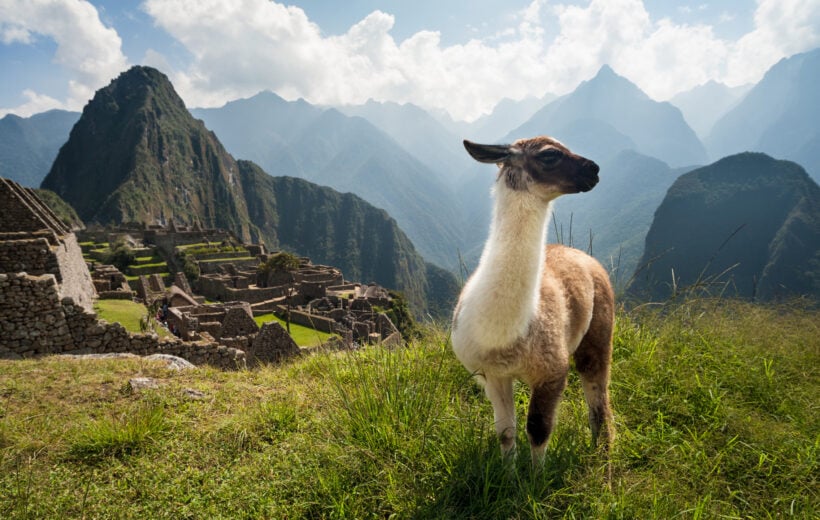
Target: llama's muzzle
{"points": [[587, 176]]}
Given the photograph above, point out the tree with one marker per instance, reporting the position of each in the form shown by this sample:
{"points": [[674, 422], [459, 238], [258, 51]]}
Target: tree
{"points": [[275, 266], [120, 255]]}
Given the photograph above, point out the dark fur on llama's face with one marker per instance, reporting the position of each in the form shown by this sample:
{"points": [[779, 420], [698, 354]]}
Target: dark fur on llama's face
{"points": [[540, 164]]}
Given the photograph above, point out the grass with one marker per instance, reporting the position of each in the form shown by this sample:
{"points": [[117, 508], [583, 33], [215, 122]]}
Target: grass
{"points": [[303, 336], [125, 312], [128, 314], [715, 402]]}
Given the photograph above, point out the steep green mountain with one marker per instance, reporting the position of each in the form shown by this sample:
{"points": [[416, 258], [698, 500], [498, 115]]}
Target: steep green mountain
{"points": [[347, 154], [137, 154], [619, 114], [778, 116], [29, 145], [61, 208], [753, 218]]}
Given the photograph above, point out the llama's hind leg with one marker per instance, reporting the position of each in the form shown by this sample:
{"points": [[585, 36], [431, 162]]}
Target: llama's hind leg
{"points": [[500, 393], [541, 417], [592, 360]]}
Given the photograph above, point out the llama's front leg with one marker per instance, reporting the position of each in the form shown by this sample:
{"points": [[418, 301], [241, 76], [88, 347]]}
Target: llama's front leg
{"points": [[500, 393], [541, 417]]}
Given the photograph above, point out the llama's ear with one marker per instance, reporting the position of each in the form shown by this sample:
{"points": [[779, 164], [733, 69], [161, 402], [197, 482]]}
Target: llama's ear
{"points": [[487, 153]]}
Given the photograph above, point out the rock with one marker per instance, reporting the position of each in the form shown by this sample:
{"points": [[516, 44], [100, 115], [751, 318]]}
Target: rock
{"points": [[173, 362], [193, 394], [136, 384]]}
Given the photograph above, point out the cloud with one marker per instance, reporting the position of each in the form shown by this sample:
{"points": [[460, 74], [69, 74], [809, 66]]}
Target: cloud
{"points": [[782, 28], [240, 47], [245, 46], [89, 52]]}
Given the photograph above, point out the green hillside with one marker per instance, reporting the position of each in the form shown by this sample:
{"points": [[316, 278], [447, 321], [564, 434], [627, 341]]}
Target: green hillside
{"points": [[715, 405], [747, 225]]}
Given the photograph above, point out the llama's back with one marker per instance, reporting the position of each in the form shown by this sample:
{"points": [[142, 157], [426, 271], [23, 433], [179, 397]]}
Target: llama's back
{"points": [[578, 283]]}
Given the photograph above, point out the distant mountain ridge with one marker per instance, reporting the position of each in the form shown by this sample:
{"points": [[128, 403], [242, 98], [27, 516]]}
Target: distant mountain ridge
{"points": [[747, 219], [611, 121], [137, 154], [29, 145], [779, 116], [348, 154], [610, 112], [705, 104]]}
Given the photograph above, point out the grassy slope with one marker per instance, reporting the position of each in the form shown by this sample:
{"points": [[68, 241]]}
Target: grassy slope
{"points": [[716, 408]]}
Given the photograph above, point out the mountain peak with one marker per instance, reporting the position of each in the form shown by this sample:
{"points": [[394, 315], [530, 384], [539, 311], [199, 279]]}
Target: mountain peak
{"points": [[606, 72]]}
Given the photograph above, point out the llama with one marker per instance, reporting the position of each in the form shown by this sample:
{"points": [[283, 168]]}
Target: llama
{"points": [[527, 308]]}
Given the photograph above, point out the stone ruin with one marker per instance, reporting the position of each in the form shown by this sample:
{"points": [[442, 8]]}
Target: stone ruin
{"points": [[110, 283], [46, 293], [315, 296], [35, 241]]}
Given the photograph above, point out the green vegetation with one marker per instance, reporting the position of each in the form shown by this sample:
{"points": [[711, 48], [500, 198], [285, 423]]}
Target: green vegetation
{"points": [[715, 403], [120, 255], [125, 312], [303, 336], [61, 208], [205, 248], [131, 315]]}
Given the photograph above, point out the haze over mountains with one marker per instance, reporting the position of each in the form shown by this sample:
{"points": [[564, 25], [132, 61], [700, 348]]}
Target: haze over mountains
{"points": [[411, 163], [779, 116]]}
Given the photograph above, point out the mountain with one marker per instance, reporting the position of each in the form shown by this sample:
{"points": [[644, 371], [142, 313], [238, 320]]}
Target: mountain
{"points": [[703, 105], [137, 154], [418, 133], [778, 116], [617, 214], [507, 115], [607, 113], [61, 208], [747, 219], [347, 154], [633, 138], [29, 145]]}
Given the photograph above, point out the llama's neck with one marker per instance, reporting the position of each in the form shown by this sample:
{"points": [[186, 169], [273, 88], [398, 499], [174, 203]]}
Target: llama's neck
{"points": [[502, 296]]}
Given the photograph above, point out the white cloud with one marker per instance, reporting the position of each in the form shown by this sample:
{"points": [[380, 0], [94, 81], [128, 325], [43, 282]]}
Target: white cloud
{"points": [[35, 104], [782, 28], [245, 46], [240, 47], [88, 51]]}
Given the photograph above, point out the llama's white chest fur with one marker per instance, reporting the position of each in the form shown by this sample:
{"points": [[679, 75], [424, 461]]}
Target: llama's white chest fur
{"points": [[500, 300]]}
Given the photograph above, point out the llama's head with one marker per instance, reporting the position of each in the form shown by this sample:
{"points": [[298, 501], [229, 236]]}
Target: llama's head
{"points": [[541, 165]]}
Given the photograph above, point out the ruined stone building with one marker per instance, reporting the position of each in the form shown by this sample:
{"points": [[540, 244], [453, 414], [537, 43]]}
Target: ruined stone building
{"points": [[47, 293]]}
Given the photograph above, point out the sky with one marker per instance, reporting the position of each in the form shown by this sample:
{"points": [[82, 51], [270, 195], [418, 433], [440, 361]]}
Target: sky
{"points": [[460, 56]]}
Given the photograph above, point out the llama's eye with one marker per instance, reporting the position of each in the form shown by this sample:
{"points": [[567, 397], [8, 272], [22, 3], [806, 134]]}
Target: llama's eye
{"points": [[550, 156]]}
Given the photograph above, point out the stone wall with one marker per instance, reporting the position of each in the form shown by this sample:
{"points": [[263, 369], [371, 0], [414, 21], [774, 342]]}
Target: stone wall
{"points": [[76, 280], [31, 254], [215, 288], [35, 321], [309, 320]]}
